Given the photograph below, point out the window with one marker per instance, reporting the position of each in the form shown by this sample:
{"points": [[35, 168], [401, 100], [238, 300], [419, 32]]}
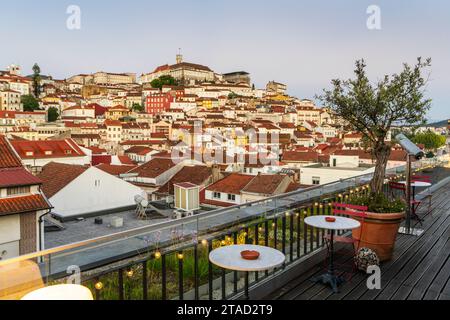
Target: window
{"points": [[232, 197], [18, 190], [316, 180], [216, 195]]}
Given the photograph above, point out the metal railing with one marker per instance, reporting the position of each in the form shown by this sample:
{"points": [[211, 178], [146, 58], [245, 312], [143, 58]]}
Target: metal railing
{"points": [[169, 260]]}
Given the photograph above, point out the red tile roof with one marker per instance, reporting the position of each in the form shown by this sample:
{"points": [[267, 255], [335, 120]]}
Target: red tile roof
{"points": [[293, 156], [67, 148], [23, 204], [19, 176], [56, 176], [8, 158], [232, 184], [192, 174], [264, 184], [114, 170], [154, 168], [125, 160]]}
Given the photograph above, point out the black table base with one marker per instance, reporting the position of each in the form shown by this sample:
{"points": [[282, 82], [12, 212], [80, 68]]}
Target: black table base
{"points": [[330, 277]]}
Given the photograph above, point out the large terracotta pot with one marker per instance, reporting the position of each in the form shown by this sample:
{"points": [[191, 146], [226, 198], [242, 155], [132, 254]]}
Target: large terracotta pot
{"points": [[379, 232]]}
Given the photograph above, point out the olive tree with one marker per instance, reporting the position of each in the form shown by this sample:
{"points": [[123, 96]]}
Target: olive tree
{"points": [[373, 108]]}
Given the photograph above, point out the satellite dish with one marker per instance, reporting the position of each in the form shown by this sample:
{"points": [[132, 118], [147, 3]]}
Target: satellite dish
{"points": [[138, 199]]}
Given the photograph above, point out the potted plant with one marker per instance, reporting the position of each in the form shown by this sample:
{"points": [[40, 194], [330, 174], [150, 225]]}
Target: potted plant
{"points": [[372, 110]]}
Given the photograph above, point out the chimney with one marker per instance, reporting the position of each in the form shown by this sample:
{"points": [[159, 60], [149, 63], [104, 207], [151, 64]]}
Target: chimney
{"points": [[216, 175]]}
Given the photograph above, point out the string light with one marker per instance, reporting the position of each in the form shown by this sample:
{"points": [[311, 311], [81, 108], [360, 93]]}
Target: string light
{"points": [[98, 285], [204, 242], [130, 273], [157, 255], [180, 256]]}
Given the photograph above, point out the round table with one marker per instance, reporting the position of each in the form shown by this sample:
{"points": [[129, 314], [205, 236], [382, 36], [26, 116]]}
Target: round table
{"points": [[229, 257], [60, 292], [341, 223]]}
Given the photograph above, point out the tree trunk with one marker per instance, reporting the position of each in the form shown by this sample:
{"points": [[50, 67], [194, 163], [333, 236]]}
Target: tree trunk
{"points": [[381, 154]]}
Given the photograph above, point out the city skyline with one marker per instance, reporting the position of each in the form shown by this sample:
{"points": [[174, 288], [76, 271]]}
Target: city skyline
{"points": [[304, 45]]}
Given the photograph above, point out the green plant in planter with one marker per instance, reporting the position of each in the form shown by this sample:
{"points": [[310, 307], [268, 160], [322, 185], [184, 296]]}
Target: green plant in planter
{"points": [[373, 108], [379, 203]]}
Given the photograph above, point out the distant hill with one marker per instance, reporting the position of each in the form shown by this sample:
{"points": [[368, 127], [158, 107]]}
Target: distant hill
{"points": [[439, 124]]}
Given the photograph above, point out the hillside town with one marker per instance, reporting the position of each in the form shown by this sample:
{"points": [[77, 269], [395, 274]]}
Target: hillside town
{"points": [[105, 152]]}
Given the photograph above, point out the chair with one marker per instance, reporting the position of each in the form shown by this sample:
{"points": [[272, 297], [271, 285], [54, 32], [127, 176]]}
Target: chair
{"points": [[415, 204], [427, 193], [349, 210]]}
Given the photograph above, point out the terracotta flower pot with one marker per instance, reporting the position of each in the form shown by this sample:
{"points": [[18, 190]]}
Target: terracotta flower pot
{"points": [[379, 233]]}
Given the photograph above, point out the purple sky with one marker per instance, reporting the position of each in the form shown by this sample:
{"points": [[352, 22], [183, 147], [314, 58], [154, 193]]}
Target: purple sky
{"points": [[301, 43]]}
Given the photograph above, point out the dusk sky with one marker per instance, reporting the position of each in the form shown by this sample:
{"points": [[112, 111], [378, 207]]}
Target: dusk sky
{"points": [[301, 43]]}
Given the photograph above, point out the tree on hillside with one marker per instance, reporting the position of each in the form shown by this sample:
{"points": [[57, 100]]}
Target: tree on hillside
{"points": [[137, 107], [373, 108], [431, 140], [164, 81], [29, 103], [36, 80], [53, 114]]}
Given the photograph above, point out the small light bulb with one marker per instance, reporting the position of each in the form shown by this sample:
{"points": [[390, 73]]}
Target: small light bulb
{"points": [[157, 255], [204, 242], [130, 273], [180, 256], [98, 286]]}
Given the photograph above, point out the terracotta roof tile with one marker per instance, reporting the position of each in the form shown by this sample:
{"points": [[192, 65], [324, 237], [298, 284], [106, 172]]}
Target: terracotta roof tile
{"points": [[114, 170], [264, 184], [56, 176], [17, 177], [23, 204], [232, 184], [192, 174], [154, 168], [8, 158]]}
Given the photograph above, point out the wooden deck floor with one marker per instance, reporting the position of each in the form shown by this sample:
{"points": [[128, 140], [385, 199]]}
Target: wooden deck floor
{"points": [[420, 268]]}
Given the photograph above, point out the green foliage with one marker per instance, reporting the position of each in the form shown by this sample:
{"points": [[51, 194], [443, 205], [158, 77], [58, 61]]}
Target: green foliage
{"points": [[30, 103], [379, 203], [430, 155], [373, 108], [36, 80], [431, 140], [232, 95], [53, 114], [163, 81], [137, 107]]}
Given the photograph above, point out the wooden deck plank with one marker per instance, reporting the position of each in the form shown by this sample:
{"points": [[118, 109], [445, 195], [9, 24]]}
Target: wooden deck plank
{"points": [[431, 284], [436, 256], [419, 269]]}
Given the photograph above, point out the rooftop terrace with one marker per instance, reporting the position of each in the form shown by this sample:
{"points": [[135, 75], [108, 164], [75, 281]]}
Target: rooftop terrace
{"points": [[169, 260]]}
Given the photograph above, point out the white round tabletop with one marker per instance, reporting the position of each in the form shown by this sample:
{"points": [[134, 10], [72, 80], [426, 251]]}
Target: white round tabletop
{"points": [[341, 223], [60, 292], [229, 257], [418, 184]]}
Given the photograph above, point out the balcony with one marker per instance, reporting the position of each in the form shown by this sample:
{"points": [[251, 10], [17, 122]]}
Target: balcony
{"points": [[169, 260]]}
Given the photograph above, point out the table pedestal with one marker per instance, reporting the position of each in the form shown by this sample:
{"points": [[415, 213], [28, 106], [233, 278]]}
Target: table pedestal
{"points": [[330, 277]]}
